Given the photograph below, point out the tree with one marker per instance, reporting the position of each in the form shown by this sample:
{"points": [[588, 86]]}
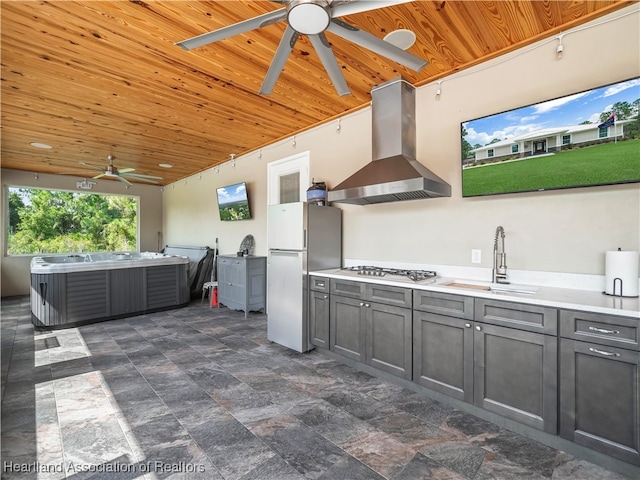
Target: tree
{"points": [[48, 221]]}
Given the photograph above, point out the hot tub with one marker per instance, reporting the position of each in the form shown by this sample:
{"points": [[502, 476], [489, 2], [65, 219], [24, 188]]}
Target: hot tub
{"points": [[70, 290]]}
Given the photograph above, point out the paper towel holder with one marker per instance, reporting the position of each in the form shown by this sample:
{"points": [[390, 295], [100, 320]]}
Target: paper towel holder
{"points": [[617, 281]]}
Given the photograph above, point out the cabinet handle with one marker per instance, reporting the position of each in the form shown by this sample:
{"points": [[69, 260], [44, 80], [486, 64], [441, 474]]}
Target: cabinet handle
{"points": [[478, 327], [602, 330], [602, 352], [325, 296], [320, 284], [467, 325], [362, 304], [229, 283], [367, 305]]}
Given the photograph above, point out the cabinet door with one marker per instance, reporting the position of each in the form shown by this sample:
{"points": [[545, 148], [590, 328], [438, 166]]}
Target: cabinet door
{"points": [[346, 330], [231, 285], [600, 398], [319, 304], [388, 338], [515, 375], [443, 354]]}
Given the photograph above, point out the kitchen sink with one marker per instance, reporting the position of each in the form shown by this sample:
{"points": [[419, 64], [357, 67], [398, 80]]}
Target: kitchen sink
{"points": [[492, 287]]}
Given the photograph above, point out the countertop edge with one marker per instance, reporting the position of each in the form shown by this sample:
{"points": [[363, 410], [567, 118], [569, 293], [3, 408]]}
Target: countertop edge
{"points": [[564, 298]]}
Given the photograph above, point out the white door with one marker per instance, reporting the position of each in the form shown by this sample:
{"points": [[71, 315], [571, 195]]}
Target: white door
{"points": [[288, 179]]}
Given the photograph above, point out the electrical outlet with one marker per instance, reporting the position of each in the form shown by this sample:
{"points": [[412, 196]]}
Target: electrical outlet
{"points": [[476, 256]]}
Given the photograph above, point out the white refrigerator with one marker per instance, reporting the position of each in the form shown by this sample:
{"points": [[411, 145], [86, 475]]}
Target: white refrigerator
{"points": [[302, 237]]}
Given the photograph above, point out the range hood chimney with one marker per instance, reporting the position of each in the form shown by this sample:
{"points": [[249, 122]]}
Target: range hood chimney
{"points": [[394, 174]]}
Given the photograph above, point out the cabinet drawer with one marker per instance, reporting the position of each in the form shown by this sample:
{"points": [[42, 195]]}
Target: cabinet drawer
{"points": [[531, 318], [347, 288], [388, 295], [319, 284], [231, 261], [443, 304], [610, 330]]}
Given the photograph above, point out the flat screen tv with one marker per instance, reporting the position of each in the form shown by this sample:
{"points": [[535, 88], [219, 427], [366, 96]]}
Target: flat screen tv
{"points": [[233, 202], [585, 139]]}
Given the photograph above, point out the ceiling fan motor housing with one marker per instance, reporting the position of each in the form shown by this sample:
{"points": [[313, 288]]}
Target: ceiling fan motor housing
{"points": [[309, 17]]}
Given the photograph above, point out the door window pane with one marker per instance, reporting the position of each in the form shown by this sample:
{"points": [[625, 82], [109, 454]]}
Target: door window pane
{"points": [[290, 188]]}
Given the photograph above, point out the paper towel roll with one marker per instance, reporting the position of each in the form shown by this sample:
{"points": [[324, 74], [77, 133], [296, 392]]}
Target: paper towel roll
{"points": [[621, 273]]}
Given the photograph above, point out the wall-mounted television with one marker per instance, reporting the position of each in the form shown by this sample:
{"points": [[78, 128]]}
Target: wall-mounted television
{"points": [[233, 202], [584, 139]]}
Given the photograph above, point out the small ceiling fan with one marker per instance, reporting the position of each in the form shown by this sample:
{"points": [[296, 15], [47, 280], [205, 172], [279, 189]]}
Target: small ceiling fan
{"points": [[313, 18], [122, 174]]}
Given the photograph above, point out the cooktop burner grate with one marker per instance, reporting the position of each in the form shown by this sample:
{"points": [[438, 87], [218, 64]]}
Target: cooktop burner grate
{"points": [[369, 270]]}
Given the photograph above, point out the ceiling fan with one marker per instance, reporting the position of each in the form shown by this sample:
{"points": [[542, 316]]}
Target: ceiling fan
{"points": [[122, 174], [313, 18]]}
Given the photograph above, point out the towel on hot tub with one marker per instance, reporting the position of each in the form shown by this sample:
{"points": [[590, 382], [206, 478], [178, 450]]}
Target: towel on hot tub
{"points": [[200, 265]]}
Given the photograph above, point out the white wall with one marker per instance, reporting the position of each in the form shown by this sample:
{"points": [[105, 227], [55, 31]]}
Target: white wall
{"points": [[557, 231], [15, 269]]}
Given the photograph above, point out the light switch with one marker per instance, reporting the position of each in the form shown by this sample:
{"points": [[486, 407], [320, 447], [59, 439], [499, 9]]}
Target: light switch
{"points": [[476, 256]]}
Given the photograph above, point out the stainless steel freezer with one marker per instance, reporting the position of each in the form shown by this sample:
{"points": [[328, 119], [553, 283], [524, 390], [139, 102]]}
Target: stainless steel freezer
{"points": [[302, 237]]}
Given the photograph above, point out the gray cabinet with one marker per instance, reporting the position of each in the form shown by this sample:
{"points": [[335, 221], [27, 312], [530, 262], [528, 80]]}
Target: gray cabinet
{"points": [[242, 282], [600, 383], [464, 351], [443, 343], [319, 308], [371, 323]]}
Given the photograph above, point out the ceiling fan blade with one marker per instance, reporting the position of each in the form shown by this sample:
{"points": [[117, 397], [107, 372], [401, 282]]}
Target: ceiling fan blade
{"points": [[126, 170], [235, 29], [349, 8], [280, 58], [375, 44], [141, 179], [328, 59], [140, 175], [99, 176], [97, 167], [122, 179]]}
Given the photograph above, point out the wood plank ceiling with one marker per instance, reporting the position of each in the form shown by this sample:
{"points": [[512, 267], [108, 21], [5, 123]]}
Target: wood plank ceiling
{"points": [[97, 78]]}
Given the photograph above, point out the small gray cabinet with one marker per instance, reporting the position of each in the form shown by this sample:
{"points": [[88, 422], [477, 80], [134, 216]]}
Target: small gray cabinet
{"points": [[600, 383], [459, 351], [443, 343], [242, 282], [319, 308], [371, 323]]}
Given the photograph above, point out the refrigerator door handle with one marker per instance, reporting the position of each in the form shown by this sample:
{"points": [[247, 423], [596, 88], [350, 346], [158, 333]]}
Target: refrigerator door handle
{"points": [[285, 253], [304, 240]]}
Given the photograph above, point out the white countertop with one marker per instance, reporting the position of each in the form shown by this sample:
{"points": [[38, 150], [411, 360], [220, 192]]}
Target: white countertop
{"points": [[565, 298]]}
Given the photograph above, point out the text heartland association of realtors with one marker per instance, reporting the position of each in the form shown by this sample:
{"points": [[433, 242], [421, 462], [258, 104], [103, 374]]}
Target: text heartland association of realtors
{"points": [[115, 467]]}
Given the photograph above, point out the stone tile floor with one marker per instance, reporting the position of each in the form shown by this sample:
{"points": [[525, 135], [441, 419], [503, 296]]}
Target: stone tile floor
{"points": [[200, 393]]}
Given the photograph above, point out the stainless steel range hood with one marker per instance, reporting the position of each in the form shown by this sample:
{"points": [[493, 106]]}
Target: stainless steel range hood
{"points": [[394, 174]]}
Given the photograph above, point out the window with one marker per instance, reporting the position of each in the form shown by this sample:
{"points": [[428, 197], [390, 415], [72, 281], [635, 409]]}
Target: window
{"points": [[514, 148], [490, 153], [603, 132], [566, 139], [287, 179], [55, 221]]}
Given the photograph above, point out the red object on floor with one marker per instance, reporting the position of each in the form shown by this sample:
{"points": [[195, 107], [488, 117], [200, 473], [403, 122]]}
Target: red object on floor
{"points": [[214, 297]]}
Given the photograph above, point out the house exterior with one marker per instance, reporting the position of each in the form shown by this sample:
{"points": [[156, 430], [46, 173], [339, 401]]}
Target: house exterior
{"points": [[546, 141]]}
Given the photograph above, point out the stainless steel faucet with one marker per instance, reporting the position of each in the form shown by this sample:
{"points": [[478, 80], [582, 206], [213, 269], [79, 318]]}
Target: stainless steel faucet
{"points": [[499, 272]]}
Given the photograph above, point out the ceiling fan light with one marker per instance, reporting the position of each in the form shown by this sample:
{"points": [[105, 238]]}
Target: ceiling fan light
{"points": [[309, 17], [401, 38]]}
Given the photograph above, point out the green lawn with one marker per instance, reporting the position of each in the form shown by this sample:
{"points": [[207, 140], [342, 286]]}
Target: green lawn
{"points": [[596, 165]]}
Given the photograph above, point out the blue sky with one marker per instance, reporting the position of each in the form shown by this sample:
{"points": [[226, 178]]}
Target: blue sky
{"points": [[232, 193], [570, 110]]}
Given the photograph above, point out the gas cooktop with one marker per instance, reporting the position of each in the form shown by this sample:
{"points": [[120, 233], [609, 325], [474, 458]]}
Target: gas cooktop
{"points": [[368, 270]]}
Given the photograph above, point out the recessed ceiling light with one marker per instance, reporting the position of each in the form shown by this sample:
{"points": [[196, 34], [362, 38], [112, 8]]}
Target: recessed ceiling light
{"points": [[41, 145], [165, 165], [401, 38]]}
